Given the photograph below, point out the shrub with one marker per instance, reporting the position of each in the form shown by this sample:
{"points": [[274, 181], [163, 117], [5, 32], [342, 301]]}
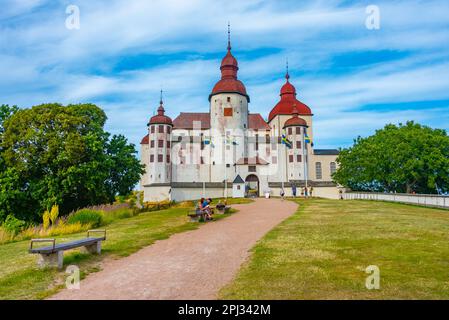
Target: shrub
{"points": [[54, 214], [46, 220], [86, 217], [5, 236], [12, 225], [155, 206]]}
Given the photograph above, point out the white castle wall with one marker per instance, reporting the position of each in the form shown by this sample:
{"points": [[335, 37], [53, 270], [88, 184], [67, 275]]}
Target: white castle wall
{"points": [[184, 194]]}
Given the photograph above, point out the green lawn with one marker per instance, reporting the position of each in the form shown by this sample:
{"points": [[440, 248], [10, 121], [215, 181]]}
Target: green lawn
{"points": [[322, 251], [20, 278]]}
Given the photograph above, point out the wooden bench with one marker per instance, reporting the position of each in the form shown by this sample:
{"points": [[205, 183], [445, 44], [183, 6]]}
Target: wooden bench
{"points": [[223, 209], [196, 215], [53, 255]]}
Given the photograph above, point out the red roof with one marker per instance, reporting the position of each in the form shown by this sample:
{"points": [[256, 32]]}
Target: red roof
{"points": [[229, 82], [145, 140], [160, 118], [295, 120], [251, 161], [288, 100], [257, 122], [185, 121]]}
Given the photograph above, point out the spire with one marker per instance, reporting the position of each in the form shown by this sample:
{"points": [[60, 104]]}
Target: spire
{"points": [[287, 76], [229, 36], [161, 110]]}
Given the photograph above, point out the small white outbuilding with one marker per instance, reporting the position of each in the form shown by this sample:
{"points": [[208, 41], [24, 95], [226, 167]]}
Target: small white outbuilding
{"points": [[238, 187]]}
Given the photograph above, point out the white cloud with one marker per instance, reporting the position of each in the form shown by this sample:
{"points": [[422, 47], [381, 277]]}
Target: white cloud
{"points": [[45, 62]]}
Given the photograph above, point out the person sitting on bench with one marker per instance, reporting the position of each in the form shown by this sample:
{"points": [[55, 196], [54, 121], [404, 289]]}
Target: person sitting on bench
{"points": [[207, 209]]}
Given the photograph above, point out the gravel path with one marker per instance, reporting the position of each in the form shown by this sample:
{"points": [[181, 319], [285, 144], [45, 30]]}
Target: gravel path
{"points": [[189, 265]]}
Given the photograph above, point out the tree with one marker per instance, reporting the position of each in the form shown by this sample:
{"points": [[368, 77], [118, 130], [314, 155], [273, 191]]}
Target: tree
{"points": [[403, 158], [61, 155], [5, 113]]}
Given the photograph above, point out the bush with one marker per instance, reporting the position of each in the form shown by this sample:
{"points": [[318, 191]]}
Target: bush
{"points": [[12, 225], [86, 217]]}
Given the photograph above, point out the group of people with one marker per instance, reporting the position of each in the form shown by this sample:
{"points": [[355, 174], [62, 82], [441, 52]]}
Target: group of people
{"points": [[304, 191], [204, 207]]}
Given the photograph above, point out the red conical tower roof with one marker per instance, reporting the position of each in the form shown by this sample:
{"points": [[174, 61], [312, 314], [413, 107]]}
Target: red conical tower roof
{"points": [[161, 118], [295, 120], [229, 82], [288, 100]]}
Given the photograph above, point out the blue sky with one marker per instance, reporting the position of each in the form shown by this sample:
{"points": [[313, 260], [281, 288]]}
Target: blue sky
{"points": [[355, 80]]}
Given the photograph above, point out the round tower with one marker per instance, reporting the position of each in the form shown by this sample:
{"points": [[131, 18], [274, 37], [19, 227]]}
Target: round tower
{"points": [[283, 110], [228, 99], [295, 129], [159, 135]]}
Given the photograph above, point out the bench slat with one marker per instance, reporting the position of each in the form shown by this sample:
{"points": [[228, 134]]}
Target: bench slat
{"points": [[67, 245]]}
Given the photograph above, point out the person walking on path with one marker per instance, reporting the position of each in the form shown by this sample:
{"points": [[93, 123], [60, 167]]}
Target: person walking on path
{"points": [[294, 190], [282, 194]]}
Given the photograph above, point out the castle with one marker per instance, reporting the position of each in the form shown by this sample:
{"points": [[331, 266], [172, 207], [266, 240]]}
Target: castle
{"points": [[229, 152]]}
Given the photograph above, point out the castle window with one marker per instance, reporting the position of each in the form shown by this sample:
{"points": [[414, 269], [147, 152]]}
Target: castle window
{"points": [[168, 158], [202, 160], [267, 138], [151, 157], [228, 165], [160, 158], [227, 112], [152, 144], [160, 143], [318, 171], [333, 167], [168, 144], [252, 169], [290, 158], [228, 99], [298, 144], [274, 160], [168, 130], [161, 128], [290, 130], [298, 158], [298, 130], [152, 129]]}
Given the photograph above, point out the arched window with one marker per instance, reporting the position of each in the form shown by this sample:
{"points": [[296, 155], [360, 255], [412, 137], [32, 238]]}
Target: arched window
{"points": [[333, 167], [318, 171]]}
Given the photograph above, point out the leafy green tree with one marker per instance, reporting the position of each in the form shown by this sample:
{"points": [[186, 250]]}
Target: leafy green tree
{"points": [[61, 155], [403, 158], [5, 113]]}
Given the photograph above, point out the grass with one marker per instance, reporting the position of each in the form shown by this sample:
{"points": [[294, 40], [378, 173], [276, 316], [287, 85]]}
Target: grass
{"points": [[322, 251], [20, 278]]}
